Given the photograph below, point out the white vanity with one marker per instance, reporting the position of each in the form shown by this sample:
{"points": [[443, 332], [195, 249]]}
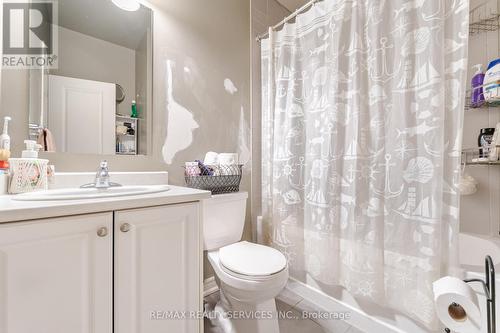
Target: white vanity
{"points": [[120, 264]]}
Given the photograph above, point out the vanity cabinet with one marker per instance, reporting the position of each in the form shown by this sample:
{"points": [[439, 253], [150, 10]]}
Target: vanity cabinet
{"points": [[56, 275], [128, 271], [157, 269]]}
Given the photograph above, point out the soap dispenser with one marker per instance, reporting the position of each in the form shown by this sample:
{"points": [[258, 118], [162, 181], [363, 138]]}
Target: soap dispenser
{"points": [[32, 148], [477, 96], [28, 173]]}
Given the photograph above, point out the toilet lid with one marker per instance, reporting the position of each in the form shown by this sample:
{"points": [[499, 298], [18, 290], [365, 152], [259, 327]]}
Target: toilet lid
{"points": [[252, 259]]}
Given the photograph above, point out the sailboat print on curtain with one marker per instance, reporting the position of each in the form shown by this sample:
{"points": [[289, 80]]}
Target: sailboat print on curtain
{"points": [[358, 161], [425, 76], [425, 210]]}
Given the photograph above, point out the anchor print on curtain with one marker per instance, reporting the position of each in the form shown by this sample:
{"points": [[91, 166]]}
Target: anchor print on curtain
{"points": [[362, 121]]}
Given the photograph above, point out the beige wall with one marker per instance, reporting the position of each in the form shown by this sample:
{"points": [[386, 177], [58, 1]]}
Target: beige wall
{"points": [[206, 42], [90, 58]]}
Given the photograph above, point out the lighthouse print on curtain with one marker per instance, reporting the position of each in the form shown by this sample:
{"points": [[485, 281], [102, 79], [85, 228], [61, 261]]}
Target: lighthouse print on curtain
{"points": [[362, 121]]}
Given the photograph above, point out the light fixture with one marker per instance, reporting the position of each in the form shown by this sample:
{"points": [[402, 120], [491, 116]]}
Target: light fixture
{"points": [[128, 5]]}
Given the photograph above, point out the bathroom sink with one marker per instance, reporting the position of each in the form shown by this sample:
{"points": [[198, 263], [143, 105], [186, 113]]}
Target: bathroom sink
{"points": [[90, 193]]}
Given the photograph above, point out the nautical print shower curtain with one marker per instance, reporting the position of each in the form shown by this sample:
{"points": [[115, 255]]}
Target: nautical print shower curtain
{"points": [[362, 121]]}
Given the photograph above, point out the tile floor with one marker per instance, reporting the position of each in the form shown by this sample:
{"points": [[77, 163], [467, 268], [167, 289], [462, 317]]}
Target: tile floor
{"points": [[293, 306]]}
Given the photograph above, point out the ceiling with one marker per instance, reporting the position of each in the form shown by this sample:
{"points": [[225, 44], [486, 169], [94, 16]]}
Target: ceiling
{"points": [[102, 19], [291, 5]]}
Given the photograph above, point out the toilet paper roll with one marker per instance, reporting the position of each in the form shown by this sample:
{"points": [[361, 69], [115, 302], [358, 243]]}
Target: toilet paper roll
{"points": [[457, 305], [228, 163], [228, 158], [211, 158]]}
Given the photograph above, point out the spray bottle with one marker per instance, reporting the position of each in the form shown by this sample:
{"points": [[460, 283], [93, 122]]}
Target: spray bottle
{"points": [[5, 138], [5, 145]]}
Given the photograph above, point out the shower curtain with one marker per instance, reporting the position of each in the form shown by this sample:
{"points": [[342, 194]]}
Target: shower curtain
{"points": [[362, 121]]}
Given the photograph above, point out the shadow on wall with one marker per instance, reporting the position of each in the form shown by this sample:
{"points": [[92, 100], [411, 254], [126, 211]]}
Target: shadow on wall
{"points": [[180, 123], [202, 117], [204, 111]]}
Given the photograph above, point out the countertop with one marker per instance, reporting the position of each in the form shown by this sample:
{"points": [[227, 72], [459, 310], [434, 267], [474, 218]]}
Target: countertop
{"points": [[15, 211]]}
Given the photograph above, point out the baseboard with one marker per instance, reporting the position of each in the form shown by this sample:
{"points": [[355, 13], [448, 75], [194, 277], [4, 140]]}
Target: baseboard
{"points": [[209, 286]]}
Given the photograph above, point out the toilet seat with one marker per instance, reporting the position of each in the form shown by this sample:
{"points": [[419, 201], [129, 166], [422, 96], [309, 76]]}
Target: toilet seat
{"points": [[255, 278], [253, 289], [251, 261]]}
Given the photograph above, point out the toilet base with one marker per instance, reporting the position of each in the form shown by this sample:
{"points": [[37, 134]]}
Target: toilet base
{"points": [[246, 317]]}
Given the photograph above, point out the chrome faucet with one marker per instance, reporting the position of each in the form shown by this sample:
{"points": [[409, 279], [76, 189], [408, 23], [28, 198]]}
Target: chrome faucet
{"points": [[101, 178]]}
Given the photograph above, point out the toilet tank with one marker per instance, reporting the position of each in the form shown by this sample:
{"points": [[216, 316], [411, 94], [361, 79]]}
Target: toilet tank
{"points": [[223, 219]]}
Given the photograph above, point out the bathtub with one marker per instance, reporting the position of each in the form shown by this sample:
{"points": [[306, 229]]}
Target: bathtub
{"points": [[473, 248], [374, 319]]}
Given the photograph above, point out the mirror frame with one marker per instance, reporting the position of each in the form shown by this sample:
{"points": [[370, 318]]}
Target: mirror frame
{"points": [[150, 114]]}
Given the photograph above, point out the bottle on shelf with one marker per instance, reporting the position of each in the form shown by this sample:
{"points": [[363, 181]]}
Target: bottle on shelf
{"points": [[133, 113], [491, 83], [477, 96], [484, 142]]}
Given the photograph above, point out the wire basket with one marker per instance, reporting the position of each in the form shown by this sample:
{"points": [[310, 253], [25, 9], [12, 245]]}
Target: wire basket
{"points": [[484, 18], [216, 179]]}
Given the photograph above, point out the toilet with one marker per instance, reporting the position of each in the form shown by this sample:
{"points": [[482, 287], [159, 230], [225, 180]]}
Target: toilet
{"points": [[249, 275]]}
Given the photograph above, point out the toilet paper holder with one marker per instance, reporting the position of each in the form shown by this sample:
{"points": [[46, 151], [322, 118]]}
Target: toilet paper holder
{"points": [[489, 290]]}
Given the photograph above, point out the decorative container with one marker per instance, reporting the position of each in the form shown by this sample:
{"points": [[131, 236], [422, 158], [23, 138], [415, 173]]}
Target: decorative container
{"points": [[216, 179], [28, 175]]}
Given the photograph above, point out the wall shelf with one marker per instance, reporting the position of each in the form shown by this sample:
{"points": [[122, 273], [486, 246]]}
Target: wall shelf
{"points": [[125, 116], [484, 18], [471, 156], [126, 143], [485, 25], [485, 105]]}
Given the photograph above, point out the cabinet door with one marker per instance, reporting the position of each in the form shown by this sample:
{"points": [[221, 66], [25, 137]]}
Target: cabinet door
{"points": [[158, 269], [56, 275]]}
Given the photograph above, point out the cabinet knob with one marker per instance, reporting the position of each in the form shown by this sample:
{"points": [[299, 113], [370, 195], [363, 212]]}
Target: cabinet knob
{"points": [[102, 232], [125, 227]]}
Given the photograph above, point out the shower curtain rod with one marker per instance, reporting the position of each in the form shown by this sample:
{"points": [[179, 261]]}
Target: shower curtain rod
{"points": [[288, 18]]}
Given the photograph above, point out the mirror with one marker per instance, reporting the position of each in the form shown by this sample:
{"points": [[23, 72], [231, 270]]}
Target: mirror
{"points": [[98, 100]]}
